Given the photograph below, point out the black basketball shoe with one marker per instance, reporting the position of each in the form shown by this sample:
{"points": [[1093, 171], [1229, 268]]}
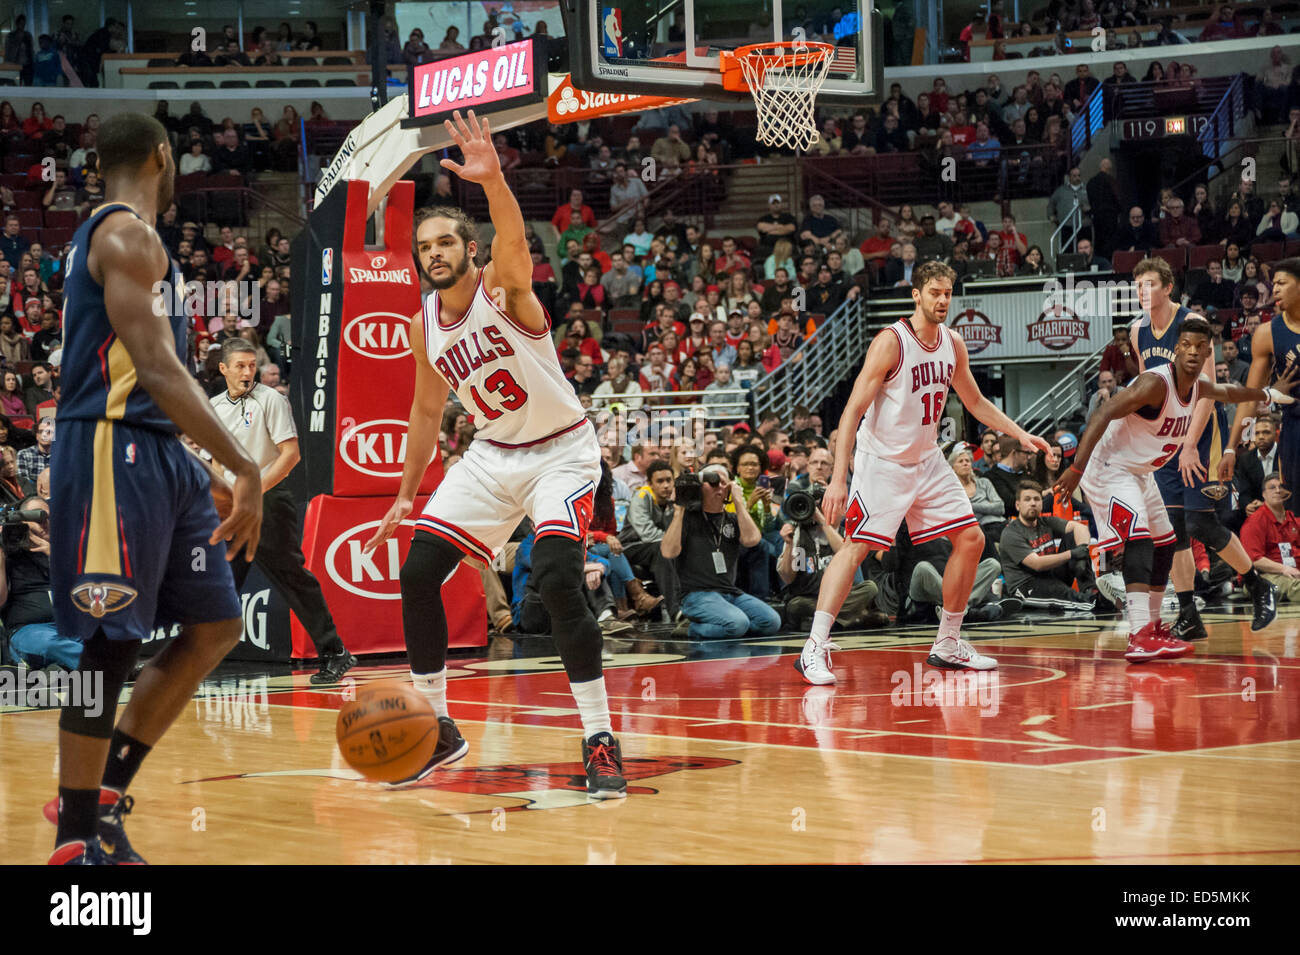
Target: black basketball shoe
{"points": [[113, 843], [603, 760], [451, 747], [332, 668], [112, 830], [1188, 626], [1263, 597], [80, 853]]}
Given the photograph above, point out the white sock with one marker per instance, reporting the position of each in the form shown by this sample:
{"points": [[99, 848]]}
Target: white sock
{"points": [[434, 688], [821, 626], [1153, 608], [593, 706], [1139, 610], [950, 626]]}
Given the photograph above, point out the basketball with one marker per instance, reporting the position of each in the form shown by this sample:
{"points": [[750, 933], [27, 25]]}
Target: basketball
{"points": [[389, 732]]}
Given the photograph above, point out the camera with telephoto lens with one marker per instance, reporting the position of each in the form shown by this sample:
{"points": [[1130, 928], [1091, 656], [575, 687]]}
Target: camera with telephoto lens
{"points": [[687, 488], [15, 535], [801, 504]]}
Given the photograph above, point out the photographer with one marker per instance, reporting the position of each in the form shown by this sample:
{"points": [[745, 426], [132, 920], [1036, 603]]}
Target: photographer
{"points": [[25, 590], [704, 541], [810, 543]]}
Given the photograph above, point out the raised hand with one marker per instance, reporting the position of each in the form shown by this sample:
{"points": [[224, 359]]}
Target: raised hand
{"points": [[1286, 383], [482, 164], [1032, 442]]}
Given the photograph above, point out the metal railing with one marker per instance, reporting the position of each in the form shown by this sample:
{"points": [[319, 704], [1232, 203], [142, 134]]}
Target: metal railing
{"points": [[657, 415], [1074, 221], [1223, 122], [1062, 398], [816, 367]]}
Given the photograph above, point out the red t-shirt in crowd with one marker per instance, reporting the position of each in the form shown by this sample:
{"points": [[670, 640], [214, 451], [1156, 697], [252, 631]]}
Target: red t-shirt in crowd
{"points": [[1264, 536], [962, 135]]}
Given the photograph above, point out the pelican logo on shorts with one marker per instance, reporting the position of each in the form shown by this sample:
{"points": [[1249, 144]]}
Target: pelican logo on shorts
{"points": [[100, 598], [326, 266], [130, 453], [1215, 492], [1058, 328], [977, 330]]}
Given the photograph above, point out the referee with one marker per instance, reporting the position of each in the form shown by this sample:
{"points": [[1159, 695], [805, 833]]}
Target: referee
{"points": [[261, 420]]}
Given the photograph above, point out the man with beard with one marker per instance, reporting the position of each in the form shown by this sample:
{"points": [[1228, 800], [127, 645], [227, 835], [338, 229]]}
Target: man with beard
{"points": [[899, 472], [136, 514], [484, 333]]}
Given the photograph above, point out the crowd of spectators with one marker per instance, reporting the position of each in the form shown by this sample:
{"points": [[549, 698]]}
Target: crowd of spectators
{"points": [[1056, 19]]}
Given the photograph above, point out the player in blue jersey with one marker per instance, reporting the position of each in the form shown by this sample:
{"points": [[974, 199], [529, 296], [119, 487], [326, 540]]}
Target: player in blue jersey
{"points": [[135, 540], [1274, 348], [1189, 498]]}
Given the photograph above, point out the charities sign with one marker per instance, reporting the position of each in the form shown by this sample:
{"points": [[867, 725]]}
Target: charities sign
{"points": [[1029, 326]]}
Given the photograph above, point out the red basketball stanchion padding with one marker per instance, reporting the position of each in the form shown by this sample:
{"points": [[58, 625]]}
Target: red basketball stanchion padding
{"points": [[352, 384], [363, 591]]}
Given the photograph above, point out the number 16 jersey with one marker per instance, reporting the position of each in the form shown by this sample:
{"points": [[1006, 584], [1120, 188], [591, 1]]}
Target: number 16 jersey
{"points": [[1138, 445], [902, 423], [506, 376]]}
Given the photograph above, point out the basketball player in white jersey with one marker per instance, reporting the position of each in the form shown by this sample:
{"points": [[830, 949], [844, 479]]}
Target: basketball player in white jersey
{"points": [[1129, 438], [483, 333], [899, 471]]}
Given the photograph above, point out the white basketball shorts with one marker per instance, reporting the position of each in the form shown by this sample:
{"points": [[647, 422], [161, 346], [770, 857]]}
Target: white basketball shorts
{"points": [[883, 493], [486, 493], [1126, 506]]}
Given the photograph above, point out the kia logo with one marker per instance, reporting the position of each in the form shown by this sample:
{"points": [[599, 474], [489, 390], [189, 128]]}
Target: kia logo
{"points": [[376, 575], [379, 261], [376, 448], [380, 335]]}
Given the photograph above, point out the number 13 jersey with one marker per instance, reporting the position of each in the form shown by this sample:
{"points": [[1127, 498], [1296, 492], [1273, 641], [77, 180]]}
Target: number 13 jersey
{"points": [[902, 423], [1138, 445], [506, 376]]}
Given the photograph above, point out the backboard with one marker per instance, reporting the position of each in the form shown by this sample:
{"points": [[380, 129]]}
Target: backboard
{"points": [[622, 46]]}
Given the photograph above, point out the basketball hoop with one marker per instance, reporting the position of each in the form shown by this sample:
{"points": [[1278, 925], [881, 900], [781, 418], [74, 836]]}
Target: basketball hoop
{"points": [[784, 79]]}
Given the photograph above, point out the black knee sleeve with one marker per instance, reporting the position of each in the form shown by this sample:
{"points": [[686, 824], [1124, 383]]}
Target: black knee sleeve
{"points": [[1139, 560], [1161, 562], [429, 562], [1205, 527], [1178, 518], [95, 713], [558, 576]]}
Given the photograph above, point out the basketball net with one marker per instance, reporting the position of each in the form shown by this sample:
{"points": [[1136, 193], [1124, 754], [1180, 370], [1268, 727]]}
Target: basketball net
{"points": [[785, 79]]}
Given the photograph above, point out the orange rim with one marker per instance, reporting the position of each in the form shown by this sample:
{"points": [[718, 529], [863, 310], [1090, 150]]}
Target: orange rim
{"points": [[791, 53]]}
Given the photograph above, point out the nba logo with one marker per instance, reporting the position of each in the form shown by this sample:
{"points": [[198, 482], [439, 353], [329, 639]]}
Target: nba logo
{"points": [[326, 266], [611, 31], [130, 453]]}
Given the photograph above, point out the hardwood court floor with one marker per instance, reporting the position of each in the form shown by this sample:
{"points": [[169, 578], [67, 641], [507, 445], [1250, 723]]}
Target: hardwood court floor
{"points": [[1066, 754]]}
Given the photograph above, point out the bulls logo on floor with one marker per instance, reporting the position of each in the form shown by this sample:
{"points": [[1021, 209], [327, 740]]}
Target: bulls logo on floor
{"points": [[539, 785]]}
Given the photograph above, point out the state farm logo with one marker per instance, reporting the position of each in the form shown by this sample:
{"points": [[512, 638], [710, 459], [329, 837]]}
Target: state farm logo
{"points": [[1058, 327], [376, 448], [379, 335], [376, 575], [977, 330]]}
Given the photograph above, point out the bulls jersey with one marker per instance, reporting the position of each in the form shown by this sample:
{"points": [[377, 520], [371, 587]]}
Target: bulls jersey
{"points": [[1138, 445], [505, 375], [1159, 349], [99, 380], [902, 423]]}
